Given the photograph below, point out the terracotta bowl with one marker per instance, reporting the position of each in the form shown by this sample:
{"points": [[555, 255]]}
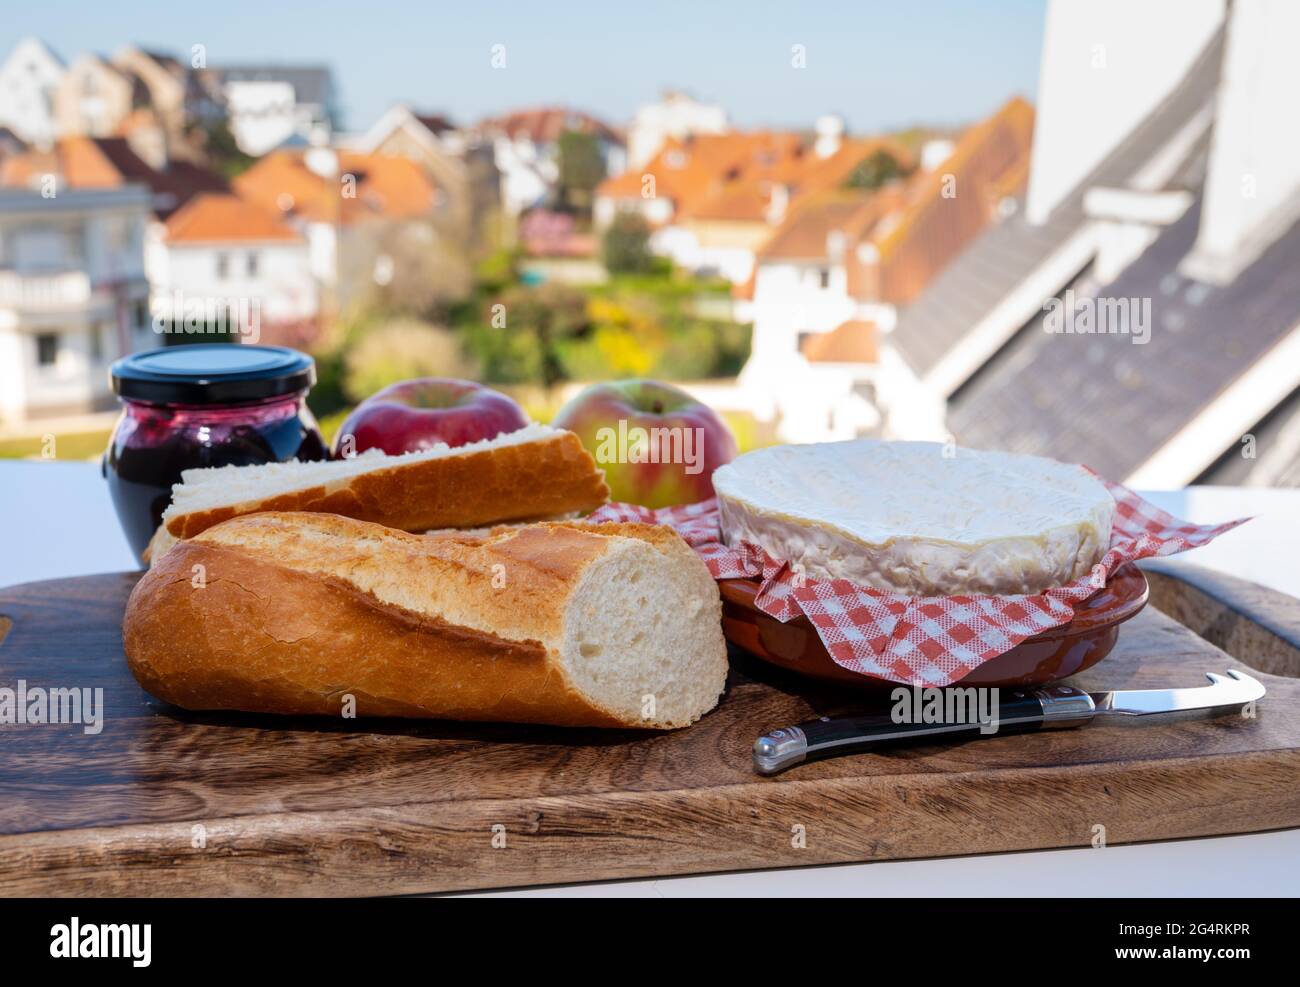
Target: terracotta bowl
{"points": [[1043, 658]]}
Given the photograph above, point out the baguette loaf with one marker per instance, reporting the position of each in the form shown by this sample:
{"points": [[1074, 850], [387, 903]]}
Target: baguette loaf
{"points": [[610, 625], [536, 472]]}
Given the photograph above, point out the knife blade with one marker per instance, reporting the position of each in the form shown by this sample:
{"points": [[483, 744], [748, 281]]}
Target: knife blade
{"points": [[1022, 710]]}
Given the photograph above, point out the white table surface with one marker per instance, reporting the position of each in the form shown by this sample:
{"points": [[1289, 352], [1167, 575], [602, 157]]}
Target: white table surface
{"points": [[60, 522]]}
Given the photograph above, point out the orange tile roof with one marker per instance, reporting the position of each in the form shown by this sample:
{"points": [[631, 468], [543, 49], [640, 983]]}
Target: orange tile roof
{"points": [[545, 124], [212, 218], [387, 187], [732, 177], [804, 234], [77, 160], [281, 179], [109, 162], [800, 171], [820, 174], [989, 163], [853, 341], [690, 171], [746, 192]]}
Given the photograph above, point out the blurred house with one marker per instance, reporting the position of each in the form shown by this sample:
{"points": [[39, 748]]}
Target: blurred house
{"points": [[94, 97], [356, 212], [831, 279], [806, 290], [29, 79], [427, 137], [714, 199], [1164, 205], [166, 82], [224, 262], [273, 105], [73, 294], [526, 150], [464, 171], [78, 218], [149, 97], [675, 116]]}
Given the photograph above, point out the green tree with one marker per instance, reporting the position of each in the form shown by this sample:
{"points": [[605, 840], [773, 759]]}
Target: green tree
{"points": [[877, 170], [526, 327], [582, 168], [400, 350], [223, 153], [626, 245]]}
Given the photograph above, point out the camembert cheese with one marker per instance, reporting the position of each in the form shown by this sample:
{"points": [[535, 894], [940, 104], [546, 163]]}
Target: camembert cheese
{"points": [[918, 518]]}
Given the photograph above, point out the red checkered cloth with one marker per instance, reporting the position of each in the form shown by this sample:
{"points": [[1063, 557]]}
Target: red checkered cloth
{"points": [[924, 641]]}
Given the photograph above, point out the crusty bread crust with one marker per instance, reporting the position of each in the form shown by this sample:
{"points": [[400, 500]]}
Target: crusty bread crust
{"points": [[264, 614], [541, 479]]}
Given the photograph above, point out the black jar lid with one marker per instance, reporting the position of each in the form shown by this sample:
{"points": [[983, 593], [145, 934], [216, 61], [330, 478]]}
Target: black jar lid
{"points": [[211, 373]]}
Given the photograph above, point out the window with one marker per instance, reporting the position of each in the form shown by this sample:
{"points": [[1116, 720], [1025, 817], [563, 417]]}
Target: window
{"points": [[47, 349], [823, 277], [223, 266], [96, 343], [252, 265]]}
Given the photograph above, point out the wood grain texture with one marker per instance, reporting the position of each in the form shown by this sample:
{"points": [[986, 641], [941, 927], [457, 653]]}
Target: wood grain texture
{"points": [[1236, 615], [302, 806]]}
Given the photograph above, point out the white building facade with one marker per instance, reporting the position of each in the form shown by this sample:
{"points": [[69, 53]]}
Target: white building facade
{"points": [[794, 300], [28, 79], [271, 106], [221, 265], [73, 296]]}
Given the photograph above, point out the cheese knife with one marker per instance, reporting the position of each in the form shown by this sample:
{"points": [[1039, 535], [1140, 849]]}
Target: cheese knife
{"points": [[1019, 711]]}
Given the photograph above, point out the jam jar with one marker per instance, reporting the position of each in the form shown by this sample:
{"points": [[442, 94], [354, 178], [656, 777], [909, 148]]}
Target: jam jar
{"points": [[203, 404]]}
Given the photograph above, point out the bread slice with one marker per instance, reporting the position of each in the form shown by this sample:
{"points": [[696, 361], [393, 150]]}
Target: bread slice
{"points": [[610, 625], [918, 518], [535, 472]]}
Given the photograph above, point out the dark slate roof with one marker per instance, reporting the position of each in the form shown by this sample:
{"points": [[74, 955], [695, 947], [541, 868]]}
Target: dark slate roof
{"points": [[435, 123], [311, 83], [169, 62], [974, 283], [1004, 255], [1275, 433], [172, 188], [1110, 403]]}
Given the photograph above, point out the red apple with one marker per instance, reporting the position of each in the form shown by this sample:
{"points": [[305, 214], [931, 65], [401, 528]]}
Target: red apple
{"points": [[657, 444], [417, 414]]}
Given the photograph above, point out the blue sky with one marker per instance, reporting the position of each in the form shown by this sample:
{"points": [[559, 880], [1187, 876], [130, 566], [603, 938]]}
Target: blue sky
{"points": [[879, 64]]}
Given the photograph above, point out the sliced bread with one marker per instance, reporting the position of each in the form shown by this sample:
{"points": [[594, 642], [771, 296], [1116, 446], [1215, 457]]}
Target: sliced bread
{"points": [[533, 473]]}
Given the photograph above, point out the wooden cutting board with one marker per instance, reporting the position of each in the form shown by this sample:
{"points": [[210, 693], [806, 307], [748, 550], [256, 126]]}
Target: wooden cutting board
{"points": [[168, 802]]}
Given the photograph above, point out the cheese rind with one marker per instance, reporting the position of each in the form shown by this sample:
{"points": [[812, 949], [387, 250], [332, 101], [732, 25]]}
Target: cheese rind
{"points": [[918, 518]]}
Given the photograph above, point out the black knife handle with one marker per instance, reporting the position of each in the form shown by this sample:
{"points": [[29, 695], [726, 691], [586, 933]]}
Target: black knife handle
{"points": [[1019, 711]]}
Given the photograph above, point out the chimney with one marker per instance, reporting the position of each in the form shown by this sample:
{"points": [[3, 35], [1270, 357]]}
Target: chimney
{"points": [[935, 152], [830, 131], [1254, 164], [835, 243], [778, 201], [320, 157]]}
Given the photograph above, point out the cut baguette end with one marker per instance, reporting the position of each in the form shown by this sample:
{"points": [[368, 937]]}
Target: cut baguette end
{"points": [[643, 632]]}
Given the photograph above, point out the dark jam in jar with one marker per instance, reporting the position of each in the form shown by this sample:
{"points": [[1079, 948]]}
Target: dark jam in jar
{"points": [[186, 407]]}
